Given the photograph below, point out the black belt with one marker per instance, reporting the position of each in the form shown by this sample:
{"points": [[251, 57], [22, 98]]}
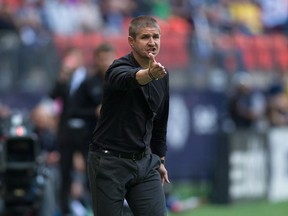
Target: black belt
{"points": [[132, 156]]}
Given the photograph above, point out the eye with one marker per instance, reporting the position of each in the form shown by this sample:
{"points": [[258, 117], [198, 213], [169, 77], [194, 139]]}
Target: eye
{"points": [[145, 37]]}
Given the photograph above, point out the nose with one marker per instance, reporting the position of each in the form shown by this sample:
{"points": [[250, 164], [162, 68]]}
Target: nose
{"points": [[151, 41]]}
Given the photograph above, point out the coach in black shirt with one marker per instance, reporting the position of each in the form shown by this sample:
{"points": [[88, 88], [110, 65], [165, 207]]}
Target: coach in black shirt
{"points": [[126, 158]]}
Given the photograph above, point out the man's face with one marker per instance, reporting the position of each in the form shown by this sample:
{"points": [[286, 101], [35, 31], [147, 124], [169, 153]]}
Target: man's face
{"points": [[104, 60], [147, 41]]}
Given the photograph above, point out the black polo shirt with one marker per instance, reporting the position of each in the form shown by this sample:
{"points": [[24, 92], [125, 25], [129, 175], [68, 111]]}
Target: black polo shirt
{"points": [[133, 116]]}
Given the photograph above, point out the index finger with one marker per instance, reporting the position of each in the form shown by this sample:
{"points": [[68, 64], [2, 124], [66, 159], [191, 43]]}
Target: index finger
{"points": [[152, 57]]}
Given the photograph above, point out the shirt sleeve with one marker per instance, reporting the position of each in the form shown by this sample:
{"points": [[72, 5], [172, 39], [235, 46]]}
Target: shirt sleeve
{"points": [[158, 140], [122, 76]]}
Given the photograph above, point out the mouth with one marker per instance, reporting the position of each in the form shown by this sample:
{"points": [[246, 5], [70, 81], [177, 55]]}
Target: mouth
{"points": [[153, 50]]}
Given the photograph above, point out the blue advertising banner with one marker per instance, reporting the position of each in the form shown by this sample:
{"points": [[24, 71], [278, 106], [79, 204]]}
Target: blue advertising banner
{"points": [[193, 133]]}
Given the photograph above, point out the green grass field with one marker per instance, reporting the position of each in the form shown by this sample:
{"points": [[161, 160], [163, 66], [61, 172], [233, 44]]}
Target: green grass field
{"points": [[248, 209], [244, 208]]}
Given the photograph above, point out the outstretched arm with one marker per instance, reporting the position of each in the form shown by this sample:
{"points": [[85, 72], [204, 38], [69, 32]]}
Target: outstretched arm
{"points": [[155, 71]]}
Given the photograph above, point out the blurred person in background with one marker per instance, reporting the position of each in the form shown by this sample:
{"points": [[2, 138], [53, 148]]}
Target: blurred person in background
{"points": [[7, 19], [130, 136], [36, 41], [277, 106], [70, 130], [87, 99], [246, 16], [4, 110], [9, 45], [274, 15], [72, 17], [62, 17], [143, 7], [45, 126], [114, 13], [87, 105], [246, 106], [4, 113], [89, 16], [28, 40]]}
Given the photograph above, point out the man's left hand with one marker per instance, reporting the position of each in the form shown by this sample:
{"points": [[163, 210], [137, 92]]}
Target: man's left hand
{"points": [[163, 174]]}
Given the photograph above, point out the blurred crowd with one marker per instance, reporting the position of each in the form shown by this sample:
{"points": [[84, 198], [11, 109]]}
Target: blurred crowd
{"points": [[28, 29], [35, 18], [31, 24]]}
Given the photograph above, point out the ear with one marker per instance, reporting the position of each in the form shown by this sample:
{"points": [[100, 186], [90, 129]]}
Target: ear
{"points": [[131, 41]]}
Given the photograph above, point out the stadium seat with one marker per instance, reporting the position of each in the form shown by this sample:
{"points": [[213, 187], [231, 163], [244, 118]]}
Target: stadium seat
{"points": [[77, 40], [245, 45], [225, 46], [279, 41], [243, 42], [61, 42], [281, 59], [262, 46], [280, 51]]}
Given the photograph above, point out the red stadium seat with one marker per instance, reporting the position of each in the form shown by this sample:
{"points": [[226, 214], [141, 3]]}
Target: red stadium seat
{"points": [[245, 44], [280, 51], [279, 41], [77, 40], [281, 60], [263, 50]]}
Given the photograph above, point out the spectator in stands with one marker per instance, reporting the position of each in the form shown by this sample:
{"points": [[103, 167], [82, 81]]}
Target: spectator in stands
{"points": [[143, 7], [246, 106], [225, 55], [70, 130], [89, 16], [274, 15], [114, 14], [62, 17], [29, 22], [219, 17], [246, 16], [35, 38], [161, 9], [9, 46], [7, 19], [277, 106]]}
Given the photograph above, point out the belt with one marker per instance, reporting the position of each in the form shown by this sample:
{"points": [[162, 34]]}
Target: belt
{"points": [[132, 156]]}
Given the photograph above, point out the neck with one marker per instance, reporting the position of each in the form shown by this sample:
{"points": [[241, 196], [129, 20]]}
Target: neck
{"points": [[143, 62]]}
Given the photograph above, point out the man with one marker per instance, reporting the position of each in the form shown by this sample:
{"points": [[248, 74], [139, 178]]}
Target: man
{"points": [[126, 157], [69, 135], [86, 106], [87, 100], [241, 106]]}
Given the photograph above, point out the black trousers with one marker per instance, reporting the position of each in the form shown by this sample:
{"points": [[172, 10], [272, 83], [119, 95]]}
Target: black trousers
{"points": [[70, 141], [112, 179]]}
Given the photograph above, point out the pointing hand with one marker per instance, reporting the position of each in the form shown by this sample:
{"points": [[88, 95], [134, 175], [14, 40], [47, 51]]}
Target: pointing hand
{"points": [[155, 68]]}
